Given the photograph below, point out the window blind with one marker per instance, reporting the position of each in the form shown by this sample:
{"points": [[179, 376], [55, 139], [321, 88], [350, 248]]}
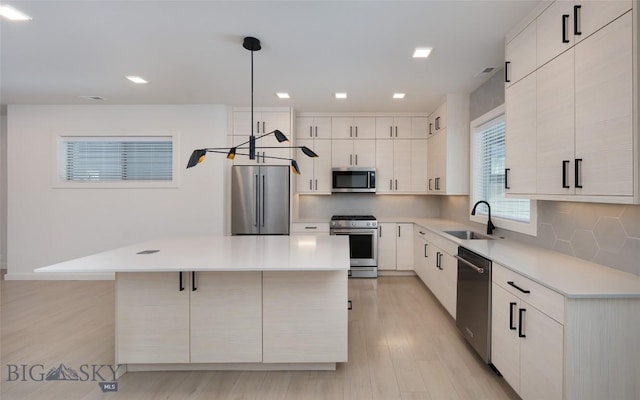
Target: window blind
{"points": [[488, 173], [108, 159]]}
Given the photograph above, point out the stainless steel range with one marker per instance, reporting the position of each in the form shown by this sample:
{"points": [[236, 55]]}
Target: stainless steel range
{"points": [[363, 242]]}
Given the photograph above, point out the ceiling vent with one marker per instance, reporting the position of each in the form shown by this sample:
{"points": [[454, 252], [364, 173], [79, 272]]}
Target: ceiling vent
{"points": [[96, 98], [488, 70]]}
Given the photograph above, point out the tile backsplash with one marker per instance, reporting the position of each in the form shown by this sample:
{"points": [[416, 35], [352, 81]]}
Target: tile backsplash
{"points": [[608, 234], [381, 206]]}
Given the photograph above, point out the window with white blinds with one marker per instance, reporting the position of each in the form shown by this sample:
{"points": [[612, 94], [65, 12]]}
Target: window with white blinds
{"points": [[487, 174], [115, 159]]}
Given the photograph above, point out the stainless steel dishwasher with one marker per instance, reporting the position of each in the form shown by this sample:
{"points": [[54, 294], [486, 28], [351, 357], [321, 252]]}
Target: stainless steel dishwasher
{"points": [[473, 310]]}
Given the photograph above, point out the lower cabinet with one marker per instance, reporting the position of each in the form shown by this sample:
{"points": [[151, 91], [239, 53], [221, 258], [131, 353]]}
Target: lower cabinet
{"points": [[527, 347], [395, 246], [163, 319], [435, 264], [231, 317]]}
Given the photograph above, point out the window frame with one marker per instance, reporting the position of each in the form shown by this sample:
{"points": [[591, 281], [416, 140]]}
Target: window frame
{"points": [[528, 228], [58, 161]]}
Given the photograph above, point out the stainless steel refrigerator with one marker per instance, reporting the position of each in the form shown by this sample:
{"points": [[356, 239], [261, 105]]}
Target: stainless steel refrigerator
{"points": [[260, 200]]}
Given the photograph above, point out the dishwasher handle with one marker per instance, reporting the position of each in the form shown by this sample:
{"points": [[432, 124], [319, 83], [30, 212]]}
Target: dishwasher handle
{"points": [[467, 263]]}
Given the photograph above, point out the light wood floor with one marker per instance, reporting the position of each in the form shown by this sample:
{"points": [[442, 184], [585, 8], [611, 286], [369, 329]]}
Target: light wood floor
{"points": [[402, 345]]}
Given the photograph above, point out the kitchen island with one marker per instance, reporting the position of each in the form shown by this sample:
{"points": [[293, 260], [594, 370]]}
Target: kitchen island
{"points": [[227, 302]]}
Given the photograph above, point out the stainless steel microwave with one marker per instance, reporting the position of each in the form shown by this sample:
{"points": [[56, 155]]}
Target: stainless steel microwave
{"points": [[353, 180]]}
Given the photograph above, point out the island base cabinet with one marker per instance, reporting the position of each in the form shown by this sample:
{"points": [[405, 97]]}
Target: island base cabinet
{"points": [[226, 317], [152, 318], [305, 317]]}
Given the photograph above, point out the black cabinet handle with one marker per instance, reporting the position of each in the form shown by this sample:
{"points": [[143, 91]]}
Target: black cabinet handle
{"points": [[506, 71], [311, 131], [430, 125], [520, 318], [438, 259], [511, 306], [380, 231], [349, 305], [565, 21], [578, 164], [518, 287], [425, 251], [181, 282], [316, 131], [430, 183], [437, 123], [576, 20], [396, 131], [390, 131], [440, 263], [398, 230], [565, 163], [193, 281], [506, 178]]}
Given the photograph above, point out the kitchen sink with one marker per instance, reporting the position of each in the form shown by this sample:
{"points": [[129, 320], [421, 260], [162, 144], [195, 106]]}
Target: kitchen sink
{"points": [[468, 235]]}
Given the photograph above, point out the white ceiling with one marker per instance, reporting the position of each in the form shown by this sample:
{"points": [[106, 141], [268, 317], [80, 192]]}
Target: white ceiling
{"points": [[191, 51]]}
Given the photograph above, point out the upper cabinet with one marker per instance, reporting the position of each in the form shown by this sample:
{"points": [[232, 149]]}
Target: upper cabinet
{"points": [[520, 55], [402, 128], [353, 128], [265, 120], [448, 147], [570, 122], [313, 128]]}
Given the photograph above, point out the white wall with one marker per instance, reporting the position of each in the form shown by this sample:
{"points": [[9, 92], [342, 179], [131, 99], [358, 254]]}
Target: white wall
{"points": [[48, 225]]}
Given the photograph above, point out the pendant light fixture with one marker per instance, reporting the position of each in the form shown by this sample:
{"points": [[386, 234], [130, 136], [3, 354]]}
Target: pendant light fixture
{"points": [[252, 44]]}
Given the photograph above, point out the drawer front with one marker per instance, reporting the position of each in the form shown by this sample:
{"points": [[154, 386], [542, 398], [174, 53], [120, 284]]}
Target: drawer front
{"points": [[310, 228], [542, 298], [445, 244]]}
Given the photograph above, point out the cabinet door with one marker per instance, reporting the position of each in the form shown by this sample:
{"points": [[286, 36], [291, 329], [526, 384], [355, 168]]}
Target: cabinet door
{"points": [[322, 128], [304, 128], [387, 246], [242, 122], [555, 126], [436, 158], [520, 55], [342, 153], [364, 127], [505, 344], [554, 31], [305, 316], [419, 161], [420, 255], [152, 323], [321, 165], [226, 317], [404, 247], [384, 128], [274, 149], [342, 128], [384, 166], [593, 15], [541, 357], [402, 128], [364, 153], [431, 273], [305, 181], [604, 110], [520, 143], [449, 283], [272, 120], [419, 127], [402, 165], [442, 117]]}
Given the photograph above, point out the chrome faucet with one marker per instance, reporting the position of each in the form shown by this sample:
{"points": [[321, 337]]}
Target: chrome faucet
{"points": [[490, 226]]}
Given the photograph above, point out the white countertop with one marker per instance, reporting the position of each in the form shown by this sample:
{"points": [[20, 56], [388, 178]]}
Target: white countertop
{"points": [[570, 276], [218, 253]]}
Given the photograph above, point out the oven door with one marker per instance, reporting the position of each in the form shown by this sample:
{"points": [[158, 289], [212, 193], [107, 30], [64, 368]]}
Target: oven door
{"points": [[363, 246]]}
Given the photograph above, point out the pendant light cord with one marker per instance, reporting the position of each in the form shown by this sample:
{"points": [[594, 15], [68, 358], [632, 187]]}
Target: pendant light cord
{"points": [[251, 92]]}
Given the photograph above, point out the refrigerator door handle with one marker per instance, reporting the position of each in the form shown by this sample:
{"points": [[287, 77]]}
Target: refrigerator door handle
{"points": [[262, 195], [255, 200]]}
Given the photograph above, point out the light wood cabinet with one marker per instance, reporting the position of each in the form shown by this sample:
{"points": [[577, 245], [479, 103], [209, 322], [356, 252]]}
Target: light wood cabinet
{"points": [[420, 255], [520, 55], [419, 164], [527, 344], [275, 149], [158, 322], [305, 317], [393, 165], [554, 31], [353, 127], [315, 173], [419, 127], [346, 153], [313, 128], [393, 128], [593, 15], [448, 148], [264, 121], [520, 138], [395, 246], [310, 228]]}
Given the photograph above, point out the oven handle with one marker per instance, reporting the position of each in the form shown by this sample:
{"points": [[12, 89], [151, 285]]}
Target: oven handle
{"points": [[478, 269], [353, 231]]}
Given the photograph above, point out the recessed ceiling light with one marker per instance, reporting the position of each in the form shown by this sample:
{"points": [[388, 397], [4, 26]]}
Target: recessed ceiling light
{"points": [[398, 95], [282, 95], [422, 52], [13, 14], [341, 95], [136, 79]]}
